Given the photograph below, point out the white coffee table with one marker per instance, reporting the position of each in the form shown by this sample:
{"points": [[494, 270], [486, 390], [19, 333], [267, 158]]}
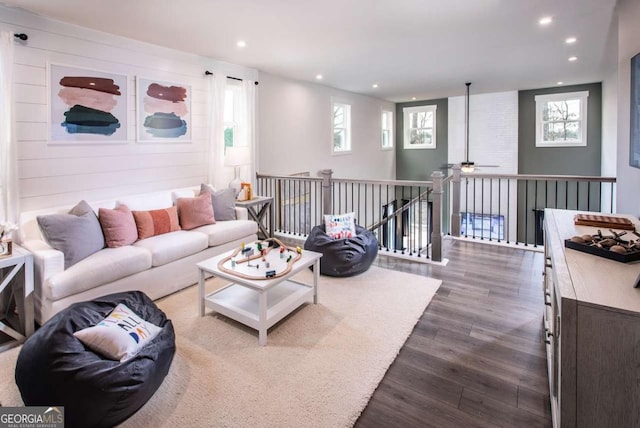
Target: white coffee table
{"points": [[258, 303]]}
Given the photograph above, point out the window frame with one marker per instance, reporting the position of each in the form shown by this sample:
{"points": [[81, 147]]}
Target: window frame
{"points": [[406, 112], [347, 127], [541, 100], [388, 123], [235, 90]]}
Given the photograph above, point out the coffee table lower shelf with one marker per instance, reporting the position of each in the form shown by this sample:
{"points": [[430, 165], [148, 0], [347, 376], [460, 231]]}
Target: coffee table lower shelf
{"points": [[243, 304]]}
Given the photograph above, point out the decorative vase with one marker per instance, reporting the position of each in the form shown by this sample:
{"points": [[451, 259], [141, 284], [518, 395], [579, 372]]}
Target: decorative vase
{"points": [[6, 247]]}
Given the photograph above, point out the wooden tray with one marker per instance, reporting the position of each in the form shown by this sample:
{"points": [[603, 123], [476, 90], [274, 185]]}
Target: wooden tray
{"points": [[601, 252], [598, 220]]}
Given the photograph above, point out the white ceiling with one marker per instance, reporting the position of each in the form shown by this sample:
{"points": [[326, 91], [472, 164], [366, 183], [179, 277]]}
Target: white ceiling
{"points": [[411, 48]]}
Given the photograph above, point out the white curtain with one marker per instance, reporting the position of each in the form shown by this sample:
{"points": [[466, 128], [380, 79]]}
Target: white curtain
{"points": [[217, 85], [244, 116], [8, 156], [246, 122]]}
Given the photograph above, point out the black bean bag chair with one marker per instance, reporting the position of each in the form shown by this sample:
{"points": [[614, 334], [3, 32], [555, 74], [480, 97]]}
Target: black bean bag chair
{"points": [[343, 257], [55, 369]]}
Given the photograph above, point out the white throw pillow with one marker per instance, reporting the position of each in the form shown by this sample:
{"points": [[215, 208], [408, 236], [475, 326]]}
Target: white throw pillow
{"points": [[119, 336], [339, 226]]}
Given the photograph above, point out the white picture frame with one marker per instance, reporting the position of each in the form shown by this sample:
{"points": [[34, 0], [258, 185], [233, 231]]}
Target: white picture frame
{"points": [[86, 106], [163, 111]]}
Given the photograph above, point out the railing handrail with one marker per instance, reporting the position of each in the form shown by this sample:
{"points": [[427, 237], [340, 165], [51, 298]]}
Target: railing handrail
{"points": [[543, 177], [289, 177], [403, 208], [323, 192], [384, 182], [350, 180]]}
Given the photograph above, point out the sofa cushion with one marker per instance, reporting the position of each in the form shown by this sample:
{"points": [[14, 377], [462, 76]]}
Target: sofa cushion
{"points": [[107, 265], [156, 222], [227, 231], [118, 226], [183, 193], [173, 246], [77, 234], [147, 201], [223, 201], [195, 212]]}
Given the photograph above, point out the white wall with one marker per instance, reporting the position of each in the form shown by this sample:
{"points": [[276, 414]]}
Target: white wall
{"points": [[294, 131], [493, 131], [63, 174], [628, 46], [493, 140]]}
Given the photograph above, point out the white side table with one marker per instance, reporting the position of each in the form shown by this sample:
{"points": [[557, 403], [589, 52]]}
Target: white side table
{"points": [[16, 276]]}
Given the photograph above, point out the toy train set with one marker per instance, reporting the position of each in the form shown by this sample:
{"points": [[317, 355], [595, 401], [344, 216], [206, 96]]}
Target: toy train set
{"points": [[266, 259]]}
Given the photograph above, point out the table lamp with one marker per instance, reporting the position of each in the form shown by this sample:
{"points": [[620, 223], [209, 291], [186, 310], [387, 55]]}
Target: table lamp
{"points": [[236, 157]]}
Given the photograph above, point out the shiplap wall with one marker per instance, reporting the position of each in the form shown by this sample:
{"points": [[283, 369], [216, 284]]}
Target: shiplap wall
{"points": [[51, 175]]}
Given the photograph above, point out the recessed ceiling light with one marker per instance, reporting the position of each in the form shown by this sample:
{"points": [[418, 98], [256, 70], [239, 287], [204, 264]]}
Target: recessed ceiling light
{"points": [[241, 43], [413, 98], [560, 83], [375, 85], [570, 40], [545, 20], [573, 58], [319, 76]]}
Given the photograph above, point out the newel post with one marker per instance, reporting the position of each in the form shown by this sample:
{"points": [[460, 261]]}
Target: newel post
{"points": [[436, 234], [326, 190], [455, 202]]}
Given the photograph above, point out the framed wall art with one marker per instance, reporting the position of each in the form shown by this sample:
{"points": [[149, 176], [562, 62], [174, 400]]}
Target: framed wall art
{"points": [[86, 106], [634, 123], [163, 111]]}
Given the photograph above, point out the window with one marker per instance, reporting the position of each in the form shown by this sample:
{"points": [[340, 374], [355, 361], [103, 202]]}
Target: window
{"points": [[387, 130], [231, 112], [341, 128], [561, 119], [420, 127]]}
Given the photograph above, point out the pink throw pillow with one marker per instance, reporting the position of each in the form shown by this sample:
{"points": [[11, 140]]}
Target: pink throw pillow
{"points": [[156, 222], [194, 212], [118, 226]]}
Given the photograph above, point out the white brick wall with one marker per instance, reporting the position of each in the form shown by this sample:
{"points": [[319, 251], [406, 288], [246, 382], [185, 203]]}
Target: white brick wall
{"points": [[493, 140]]}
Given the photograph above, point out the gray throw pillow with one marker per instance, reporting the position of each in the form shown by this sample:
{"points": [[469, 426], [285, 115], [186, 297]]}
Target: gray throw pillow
{"points": [[223, 201], [77, 234]]}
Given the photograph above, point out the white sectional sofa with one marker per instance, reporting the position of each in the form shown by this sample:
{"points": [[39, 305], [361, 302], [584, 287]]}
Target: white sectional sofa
{"points": [[158, 266]]}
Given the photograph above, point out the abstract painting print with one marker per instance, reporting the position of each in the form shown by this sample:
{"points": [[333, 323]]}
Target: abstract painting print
{"points": [[87, 106], [164, 111], [634, 148]]}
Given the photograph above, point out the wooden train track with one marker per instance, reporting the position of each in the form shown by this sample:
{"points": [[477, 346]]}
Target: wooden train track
{"points": [[292, 260]]}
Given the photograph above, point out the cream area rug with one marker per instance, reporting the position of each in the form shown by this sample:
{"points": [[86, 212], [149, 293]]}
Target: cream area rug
{"points": [[319, 368]]}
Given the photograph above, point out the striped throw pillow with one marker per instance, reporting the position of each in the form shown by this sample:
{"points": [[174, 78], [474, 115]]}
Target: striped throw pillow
{"points": [[156, 222]]}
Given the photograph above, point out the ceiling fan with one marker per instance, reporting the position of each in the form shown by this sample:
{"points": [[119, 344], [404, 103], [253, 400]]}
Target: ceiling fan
{"points": [[467, 166]]}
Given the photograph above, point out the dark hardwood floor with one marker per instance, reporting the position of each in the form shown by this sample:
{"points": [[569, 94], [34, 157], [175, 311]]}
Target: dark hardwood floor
{"points": [[476, 357]]}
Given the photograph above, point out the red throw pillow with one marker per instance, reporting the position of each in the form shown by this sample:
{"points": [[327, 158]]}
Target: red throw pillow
{"points": [[118, 226], [194, 212], [156, 222]]}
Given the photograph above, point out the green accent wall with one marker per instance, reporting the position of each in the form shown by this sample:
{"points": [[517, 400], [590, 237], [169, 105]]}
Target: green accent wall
{"points": [[535, 195], [559, 160], [418, 164]]}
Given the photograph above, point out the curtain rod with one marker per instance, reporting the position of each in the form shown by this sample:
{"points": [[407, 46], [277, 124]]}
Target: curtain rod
{"points": [[208, 73], [21, 36]]}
